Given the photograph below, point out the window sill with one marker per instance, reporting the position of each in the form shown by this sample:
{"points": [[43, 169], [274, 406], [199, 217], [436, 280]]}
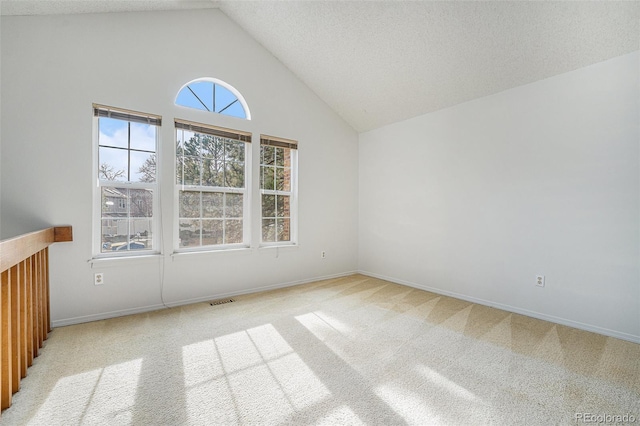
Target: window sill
{"points": [[194, 255], [105, 262], [278, 248]]}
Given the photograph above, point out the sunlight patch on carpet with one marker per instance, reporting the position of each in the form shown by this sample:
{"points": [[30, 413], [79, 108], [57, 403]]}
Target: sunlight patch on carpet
{"points": [[342, 415], [269, 343], [404, 403], [323, 325], [201, 363], [252, 373], [441, 381], [104, 395]]}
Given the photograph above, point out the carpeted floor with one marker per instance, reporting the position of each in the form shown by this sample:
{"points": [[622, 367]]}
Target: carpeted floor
{"points": [[352, 350]]}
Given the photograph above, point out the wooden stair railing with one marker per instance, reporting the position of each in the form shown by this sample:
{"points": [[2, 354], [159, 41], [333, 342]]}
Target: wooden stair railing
{"points": [[24, 303]]}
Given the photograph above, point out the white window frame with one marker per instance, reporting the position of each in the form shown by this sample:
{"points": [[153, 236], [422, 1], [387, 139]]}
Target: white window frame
{"points": [[125, 115], [292, 193], [246, 191], [224, 84]]}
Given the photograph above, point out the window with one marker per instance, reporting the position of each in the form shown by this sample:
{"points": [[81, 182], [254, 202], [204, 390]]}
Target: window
{"points": [[211, 190], [210, 94], [278, 159], [126, 193]]}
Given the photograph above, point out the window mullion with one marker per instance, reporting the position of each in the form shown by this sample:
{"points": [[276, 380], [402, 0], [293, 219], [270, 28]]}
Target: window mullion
{"points": [[215, 149], [129, 151], [125, 206]]}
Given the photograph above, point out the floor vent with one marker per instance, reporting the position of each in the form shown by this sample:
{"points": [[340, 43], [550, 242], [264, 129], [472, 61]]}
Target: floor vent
{"points": [[220, 302]]}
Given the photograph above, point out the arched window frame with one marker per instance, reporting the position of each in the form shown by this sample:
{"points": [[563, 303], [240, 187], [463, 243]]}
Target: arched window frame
{"points": [[224, 84]]}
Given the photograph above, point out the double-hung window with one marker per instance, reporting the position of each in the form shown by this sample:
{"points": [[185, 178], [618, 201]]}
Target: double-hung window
{"points": [[211, 186], [127, 187], [278, 190]]}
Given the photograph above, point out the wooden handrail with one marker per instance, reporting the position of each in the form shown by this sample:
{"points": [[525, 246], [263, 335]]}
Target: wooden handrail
{"points": [[24, 303], [15, 250]]}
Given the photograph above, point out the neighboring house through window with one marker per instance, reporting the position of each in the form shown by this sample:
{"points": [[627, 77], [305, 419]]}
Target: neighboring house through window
{"points": [[127, 189], [213, 175]]}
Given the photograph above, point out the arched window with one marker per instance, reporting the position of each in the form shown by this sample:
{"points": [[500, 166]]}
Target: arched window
{"points": [[210, 94]]}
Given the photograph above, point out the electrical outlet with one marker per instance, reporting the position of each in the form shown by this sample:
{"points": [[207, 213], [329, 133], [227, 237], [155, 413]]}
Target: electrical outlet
{"points": [[540, 280], [98, 278], [323, 254]]}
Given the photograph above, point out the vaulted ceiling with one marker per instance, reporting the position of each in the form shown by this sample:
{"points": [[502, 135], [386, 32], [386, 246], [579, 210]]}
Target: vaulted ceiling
{"points": [[379, 62]]}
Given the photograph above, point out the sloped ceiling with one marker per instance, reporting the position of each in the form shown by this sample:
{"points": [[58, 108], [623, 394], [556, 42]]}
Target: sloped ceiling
{"points": [[59, 7], [379, 62]]}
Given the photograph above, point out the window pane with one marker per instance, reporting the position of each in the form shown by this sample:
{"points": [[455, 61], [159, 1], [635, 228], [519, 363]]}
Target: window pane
{"points": [[234, 151], [233, 231], [283, 230], [113, 132], [141, 230], [233, 205], [235, 110], [189, 232], [279, 156], [182, 136], [212, 204], [189, 171], [269, 230], [191, 144], [203, 93], [212, 147], [143, 136], [213, 173], [267, 155], [120, 237], [114, 164], [189, 204], [209, 96], [140, 203], [283, 179], [212, 233], [234, 175], [110, 233], [188, 99], [113, 202], [267, 177], [268, 205], [283, 206], [223, 98], [283, 157], [143, 167]]}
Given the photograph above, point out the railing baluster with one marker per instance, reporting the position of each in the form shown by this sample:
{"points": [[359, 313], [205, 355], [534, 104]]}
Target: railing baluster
{"points": [[30, 311], [24, 357], [5, 384], [46, 289], [24, 304], [34, 304], [14, 281]]}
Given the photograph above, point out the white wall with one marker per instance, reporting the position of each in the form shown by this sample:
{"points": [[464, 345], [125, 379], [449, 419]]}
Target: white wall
{"points": [[55, 67], [478, 199]]}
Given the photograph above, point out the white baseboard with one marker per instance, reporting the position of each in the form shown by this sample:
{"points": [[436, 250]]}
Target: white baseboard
{"points": [[557, 320], [104, 315], [257, 289], [142, 309]]}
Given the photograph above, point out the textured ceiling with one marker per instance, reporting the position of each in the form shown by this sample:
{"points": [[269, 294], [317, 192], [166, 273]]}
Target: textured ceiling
{"points": [[378, 62], [54, 7]]}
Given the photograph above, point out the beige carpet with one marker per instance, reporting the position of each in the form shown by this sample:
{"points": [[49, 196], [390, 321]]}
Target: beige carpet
{"points": [[353, 350]]}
